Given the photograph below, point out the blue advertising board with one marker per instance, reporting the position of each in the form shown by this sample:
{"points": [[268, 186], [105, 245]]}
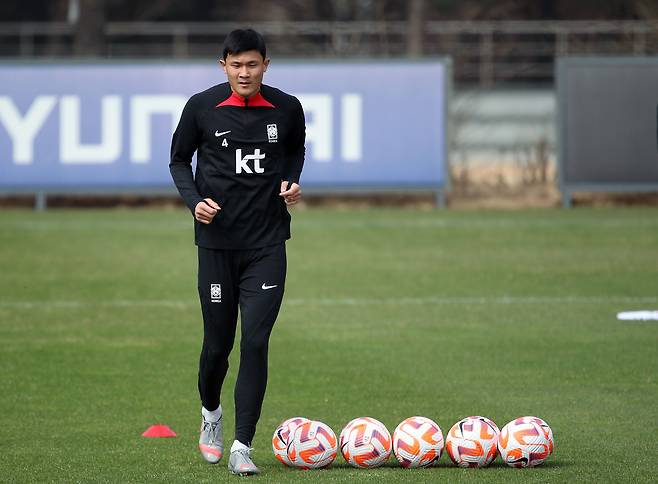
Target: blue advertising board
{"points": [[109, 125]]}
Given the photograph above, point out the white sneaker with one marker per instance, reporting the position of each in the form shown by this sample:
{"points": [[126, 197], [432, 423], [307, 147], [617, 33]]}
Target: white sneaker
{"points": [[211, 440], [240, 463]]}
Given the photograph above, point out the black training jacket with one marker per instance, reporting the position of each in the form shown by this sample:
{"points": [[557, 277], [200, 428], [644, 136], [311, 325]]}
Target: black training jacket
{"points": [[244, 150]]}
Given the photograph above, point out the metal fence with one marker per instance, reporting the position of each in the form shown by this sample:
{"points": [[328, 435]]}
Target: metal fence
{"points": [[483, 53]]}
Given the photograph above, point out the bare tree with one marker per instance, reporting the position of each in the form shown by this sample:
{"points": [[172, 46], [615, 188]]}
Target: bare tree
{"points": [[90, 29], [415, 20], [646, 9]]}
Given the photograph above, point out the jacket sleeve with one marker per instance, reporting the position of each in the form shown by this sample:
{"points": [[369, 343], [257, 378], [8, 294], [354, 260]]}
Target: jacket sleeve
{"points": [[184, 143], [295, 149]]}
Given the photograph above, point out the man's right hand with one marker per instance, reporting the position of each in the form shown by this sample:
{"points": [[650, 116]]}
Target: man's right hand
{"points": [[206, 210]]}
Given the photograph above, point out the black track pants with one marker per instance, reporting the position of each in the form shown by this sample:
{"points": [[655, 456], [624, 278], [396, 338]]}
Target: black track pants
{"points": [[252, 280]]}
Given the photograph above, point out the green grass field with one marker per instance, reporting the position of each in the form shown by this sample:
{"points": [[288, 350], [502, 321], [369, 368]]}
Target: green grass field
{"points": [[388, 313]]}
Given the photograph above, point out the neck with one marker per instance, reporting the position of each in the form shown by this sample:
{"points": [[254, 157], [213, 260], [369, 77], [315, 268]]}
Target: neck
{"points": [[246, 97]]}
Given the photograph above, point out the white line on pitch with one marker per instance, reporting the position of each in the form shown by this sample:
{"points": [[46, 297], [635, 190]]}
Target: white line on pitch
{"points": [[402, 220], [430, 300]]}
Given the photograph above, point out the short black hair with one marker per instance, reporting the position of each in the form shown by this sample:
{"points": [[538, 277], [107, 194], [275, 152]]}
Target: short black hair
{"points": [[242, 40]]}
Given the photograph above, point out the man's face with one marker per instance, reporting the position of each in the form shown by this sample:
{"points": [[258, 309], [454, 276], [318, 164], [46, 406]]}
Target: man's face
{"points": [[245, 71]]}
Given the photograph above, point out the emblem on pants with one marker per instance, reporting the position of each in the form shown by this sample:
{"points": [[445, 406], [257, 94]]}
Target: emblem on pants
{"points": [[215, 293]]}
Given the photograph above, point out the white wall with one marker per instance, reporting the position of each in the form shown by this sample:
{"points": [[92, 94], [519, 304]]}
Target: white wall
{"points": [[494, 126]]}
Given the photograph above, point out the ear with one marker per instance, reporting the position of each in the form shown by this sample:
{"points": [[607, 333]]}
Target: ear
{"points": [[266, 62], [222, 63]]}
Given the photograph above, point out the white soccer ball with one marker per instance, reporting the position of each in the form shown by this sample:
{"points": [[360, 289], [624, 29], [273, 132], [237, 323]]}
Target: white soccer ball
{"points": [[418, 442], [281, 437], [472, 442], [312, 445], [365, 442], [525, 442]]}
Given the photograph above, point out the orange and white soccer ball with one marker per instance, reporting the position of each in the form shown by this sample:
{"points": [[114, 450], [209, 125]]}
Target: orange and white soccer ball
{"points": [[473, 442], [312, 445], [525, 442], [365, 442], [281, 436], [418, 442]]}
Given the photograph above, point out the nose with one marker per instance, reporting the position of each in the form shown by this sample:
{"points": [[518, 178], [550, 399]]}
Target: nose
{"points": [[244, 72]]}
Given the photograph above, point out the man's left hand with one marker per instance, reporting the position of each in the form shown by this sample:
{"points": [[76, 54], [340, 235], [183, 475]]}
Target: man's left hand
{"points": [[291, 192]]}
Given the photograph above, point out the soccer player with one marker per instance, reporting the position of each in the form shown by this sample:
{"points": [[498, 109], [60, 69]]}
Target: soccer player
{"points": [[249, 139]]}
